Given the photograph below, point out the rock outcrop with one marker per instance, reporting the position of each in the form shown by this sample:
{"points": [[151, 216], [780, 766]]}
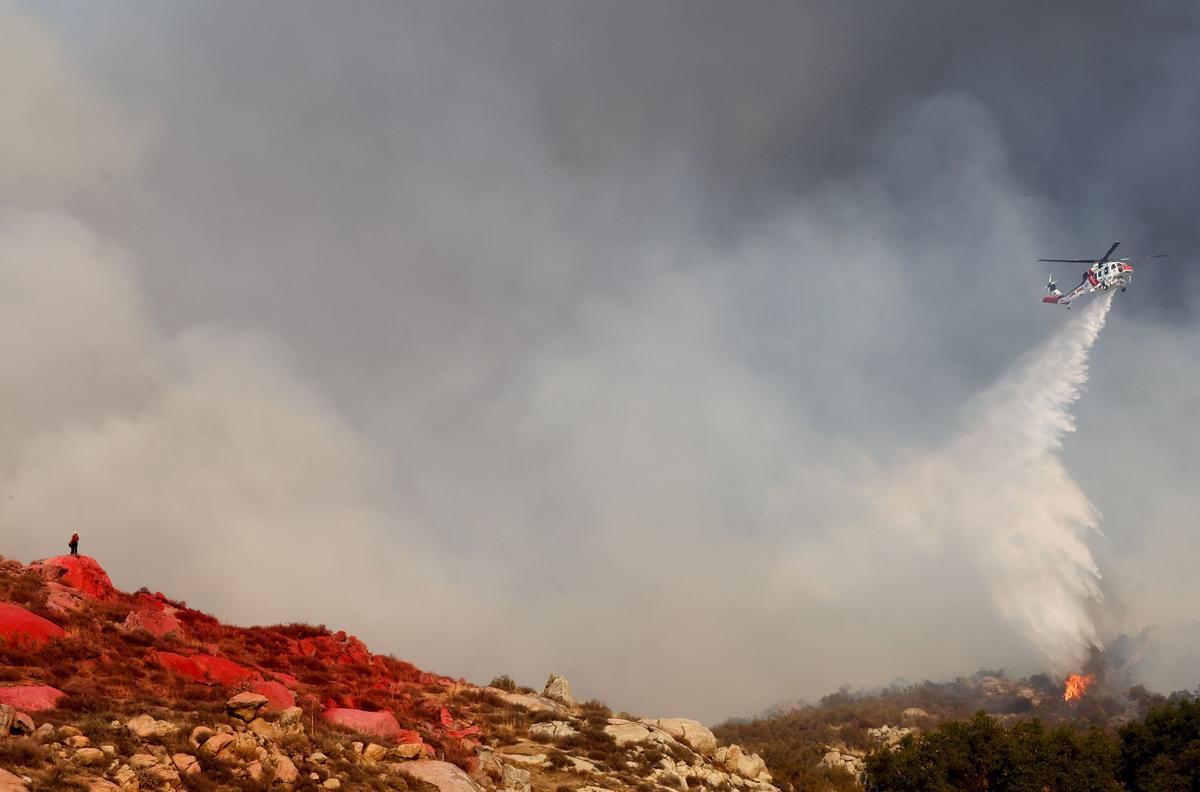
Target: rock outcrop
{"points": [[304, 708], [19, 626], [11, 783], [375, 724], [443, 775], [31, 698], [559, 689], [207, 669], [691, 733], [81, 573], [837, 760]]}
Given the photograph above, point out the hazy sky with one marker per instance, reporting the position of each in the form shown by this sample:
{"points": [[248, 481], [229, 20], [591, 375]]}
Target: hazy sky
{"points": [[547, 336]]}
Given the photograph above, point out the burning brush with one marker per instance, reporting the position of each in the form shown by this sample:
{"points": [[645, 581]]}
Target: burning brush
{"points": [[1077, 685], [1111, 670]]}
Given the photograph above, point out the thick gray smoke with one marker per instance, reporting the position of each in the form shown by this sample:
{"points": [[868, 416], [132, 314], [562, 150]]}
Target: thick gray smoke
{"points": [[625, 341]]}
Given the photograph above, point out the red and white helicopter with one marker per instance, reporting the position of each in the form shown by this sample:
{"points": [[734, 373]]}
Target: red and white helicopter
{"points": [[1103, 274]]}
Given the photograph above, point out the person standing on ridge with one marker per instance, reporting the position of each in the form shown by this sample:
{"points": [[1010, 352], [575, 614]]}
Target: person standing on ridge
{"points": [[74, 544]]}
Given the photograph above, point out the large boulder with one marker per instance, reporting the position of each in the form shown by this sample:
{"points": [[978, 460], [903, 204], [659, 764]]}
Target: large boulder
{"points": [[515, 779], [551, 731], [206, 669], [443, 775], [158, 622], [559, 689], [265, 729], [626, 732], [835, 759], [889, 735], [146, 727], [31, 698], [64, 600], [217, 744], [81, 573], [277, 695], [19, 626], [529, 702], [285, 769], [735, 760], [11, 783], [7, 715], [90, 757], [691, 733], [186, 764], [245, 706], [375, 724]]}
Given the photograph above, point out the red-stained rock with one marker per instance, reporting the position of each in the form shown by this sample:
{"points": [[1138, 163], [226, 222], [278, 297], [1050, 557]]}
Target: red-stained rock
{"points": [[278, 697], [206, 669], [376, 724], [287, 679], [19, 626], [81, 573], [63, 600], [158, 622], [31, 698], [339, 648]]}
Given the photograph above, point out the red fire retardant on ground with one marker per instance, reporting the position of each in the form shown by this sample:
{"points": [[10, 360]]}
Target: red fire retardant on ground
{"points": [[278, 696], [206, 669], [21, 627], [79, 572], [158, 623], [378, 724], [31, 698]]}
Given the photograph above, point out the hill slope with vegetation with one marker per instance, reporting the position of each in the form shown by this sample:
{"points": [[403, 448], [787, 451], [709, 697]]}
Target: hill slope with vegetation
{"points": [[105, 690]]}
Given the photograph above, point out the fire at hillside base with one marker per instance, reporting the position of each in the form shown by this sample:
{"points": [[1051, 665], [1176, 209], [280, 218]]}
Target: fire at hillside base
{"points": [[1077, 685]]}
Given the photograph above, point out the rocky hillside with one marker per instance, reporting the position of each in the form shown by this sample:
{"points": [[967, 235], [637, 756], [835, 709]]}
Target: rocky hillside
{"points": [[101, 689]]}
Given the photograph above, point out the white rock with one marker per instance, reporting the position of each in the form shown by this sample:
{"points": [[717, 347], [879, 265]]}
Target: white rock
{"points": [[559, 689], [443, 775], [514, 778], [145, 727], [691, 733], [530, 703], [554, 730], [536, 760]]}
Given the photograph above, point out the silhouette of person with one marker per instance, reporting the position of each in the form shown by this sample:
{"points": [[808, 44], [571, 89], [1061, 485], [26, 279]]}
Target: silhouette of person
{"points": [[74, 544]]}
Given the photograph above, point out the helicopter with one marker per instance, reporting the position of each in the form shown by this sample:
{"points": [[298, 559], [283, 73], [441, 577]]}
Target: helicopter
{"points": [[1103, 274]]}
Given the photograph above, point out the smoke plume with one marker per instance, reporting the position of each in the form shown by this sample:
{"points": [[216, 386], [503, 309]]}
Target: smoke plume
{"points": [[446, 327], [1003, 489], [1018, 505]]}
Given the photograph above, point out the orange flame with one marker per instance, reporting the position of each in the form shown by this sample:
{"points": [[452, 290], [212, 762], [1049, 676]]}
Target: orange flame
{"points": [[1077, 685]]}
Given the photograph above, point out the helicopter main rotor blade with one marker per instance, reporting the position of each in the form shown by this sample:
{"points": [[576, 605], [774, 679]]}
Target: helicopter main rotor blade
{"points": [[1074, 261], [1110, 251]]}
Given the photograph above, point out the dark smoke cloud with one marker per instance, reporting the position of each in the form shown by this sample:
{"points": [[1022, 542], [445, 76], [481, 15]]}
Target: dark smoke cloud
{"points": [[533, 313]]}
